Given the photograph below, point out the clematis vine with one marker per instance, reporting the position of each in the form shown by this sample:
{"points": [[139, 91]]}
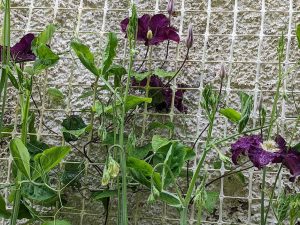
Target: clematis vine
{"points": [[163, 104], [21, 52], [262, 153], [153, 30]]}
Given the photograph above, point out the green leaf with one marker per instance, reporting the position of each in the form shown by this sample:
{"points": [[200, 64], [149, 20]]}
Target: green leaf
{"points": [[159, 142], [3, 212], [109, 53], [34, 147], [45, 58], [72, 174], [56, 94], [57, 222], [76, 133], [170, 198], [142, 171], [141, 152], [38, 193], [231, 114], [21, 156], [155, 125], [48, 159], [190, 154], [118, 72], [246, 108], [211, 201], [175, 161], [13, 80], [131, 102], [282, 207], [140, 76], [298, 34], [85, 56], [70, 125], [43, 38], [98, 195], [164, 74]]}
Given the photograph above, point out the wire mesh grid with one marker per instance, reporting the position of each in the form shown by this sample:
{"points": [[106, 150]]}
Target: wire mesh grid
{"points": [[241, 33]]}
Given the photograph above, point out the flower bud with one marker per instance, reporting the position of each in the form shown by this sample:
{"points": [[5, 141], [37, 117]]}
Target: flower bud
{"points": [[222, 72], [113, 167], [171, 7], [190, 37], [106, 177], [149, 35]]}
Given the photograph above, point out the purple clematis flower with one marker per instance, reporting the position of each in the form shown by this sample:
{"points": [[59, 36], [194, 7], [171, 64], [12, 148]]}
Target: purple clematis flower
{"points": [[153, 29], [263, 153], [163, 97], [21, 52], [259, 153]]}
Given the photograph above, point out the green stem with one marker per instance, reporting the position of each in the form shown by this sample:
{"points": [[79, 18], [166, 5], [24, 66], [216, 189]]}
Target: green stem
{"points": [[25, 113], [124, 218], [263, 216], [183, 215], [5, 58]]}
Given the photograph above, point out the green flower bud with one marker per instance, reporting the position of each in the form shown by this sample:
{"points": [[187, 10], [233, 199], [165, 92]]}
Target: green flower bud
{"points": [[105, 178], [113, 167]]}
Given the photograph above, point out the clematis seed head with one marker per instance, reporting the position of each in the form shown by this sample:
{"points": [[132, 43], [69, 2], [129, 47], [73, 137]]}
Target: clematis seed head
{"points": [[171, 8], [149, 35], [190, 37]]}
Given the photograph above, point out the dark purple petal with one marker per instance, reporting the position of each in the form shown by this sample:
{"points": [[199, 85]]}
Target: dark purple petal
{"points": [[143, 27], [172, 34], [243, 145], [281, 142], [292, 162], [261, 158], [160, 36], [158, 22], [21, 52], [124, 24]]}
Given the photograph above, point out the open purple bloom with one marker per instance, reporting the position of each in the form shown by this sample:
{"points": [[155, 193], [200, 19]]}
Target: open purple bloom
{"points": [[153, 29], [21, 52], [259, 153], [263, 153], [162, 98]]}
